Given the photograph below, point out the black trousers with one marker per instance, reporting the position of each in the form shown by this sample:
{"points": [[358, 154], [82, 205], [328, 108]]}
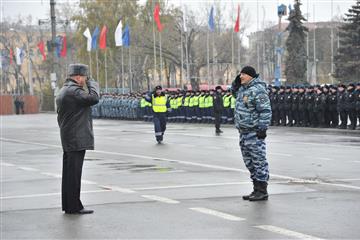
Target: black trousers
{"points": [[71, 181], [159, 125], [352, 117], [217, 116], [282, 114], [334, 118], [343, 118]]}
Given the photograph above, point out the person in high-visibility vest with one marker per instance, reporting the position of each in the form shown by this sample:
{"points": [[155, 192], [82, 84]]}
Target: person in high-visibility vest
{"points": [[160, 106], [232, 109], [209, 102], [196, 115], [180, 103], [226, 103], [201, 117], [191, 107], [186, 106]]}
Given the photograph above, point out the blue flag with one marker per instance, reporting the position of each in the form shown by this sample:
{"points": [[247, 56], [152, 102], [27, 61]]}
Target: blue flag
{"points": [[126, 37], [94, 38], [59, 44], [211, 20]]}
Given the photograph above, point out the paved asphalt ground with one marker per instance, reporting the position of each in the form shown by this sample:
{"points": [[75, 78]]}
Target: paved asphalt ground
{"points": [[188, 187]]}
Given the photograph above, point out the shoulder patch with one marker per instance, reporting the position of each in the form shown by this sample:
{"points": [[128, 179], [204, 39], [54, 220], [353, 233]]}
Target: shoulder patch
{"points": [[263, 98]]}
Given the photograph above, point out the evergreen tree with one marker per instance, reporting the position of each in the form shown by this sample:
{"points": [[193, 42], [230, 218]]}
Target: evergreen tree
{"points": [[295, 65], [347, 62]]}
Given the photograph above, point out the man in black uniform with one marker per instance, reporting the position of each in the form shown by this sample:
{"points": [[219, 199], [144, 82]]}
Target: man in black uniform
{"points": [[281, 106], [357, 96], [288, 103], [350, 101], [302, 106], [309, 100], [274, 106], [295, 106], [218, 109], [76, 131], [327, 111], [341, 106], [333, 113]]}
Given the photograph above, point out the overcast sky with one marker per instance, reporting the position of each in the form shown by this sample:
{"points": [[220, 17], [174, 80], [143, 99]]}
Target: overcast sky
{"points": [[39, 9]]}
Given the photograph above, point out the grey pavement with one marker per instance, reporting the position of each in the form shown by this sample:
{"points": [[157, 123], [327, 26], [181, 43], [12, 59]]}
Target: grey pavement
{"points": [[190, 187]]}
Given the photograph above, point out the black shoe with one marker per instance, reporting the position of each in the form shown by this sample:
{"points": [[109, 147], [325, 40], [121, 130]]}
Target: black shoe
{"points": [[82, 211], [261, 194], [247, 197]]}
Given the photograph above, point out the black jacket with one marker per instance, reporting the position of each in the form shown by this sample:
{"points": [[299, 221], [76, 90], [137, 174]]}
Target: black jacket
{"points": [[74, 115], [218, 103]]}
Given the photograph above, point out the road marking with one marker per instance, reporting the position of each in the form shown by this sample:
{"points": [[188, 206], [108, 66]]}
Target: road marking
{"points": [[281, 154], [160, 199], [29, 169], [191, 186], [217, 214], [286, 232], [346, 179], [117, 189], [191, 164], [51, 174], [46, 195], [324, 158], [88, 182], [7, 164]]}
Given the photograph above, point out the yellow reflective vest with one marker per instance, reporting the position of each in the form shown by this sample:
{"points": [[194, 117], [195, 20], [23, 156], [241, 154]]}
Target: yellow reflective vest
{"points": [[159, 103]]}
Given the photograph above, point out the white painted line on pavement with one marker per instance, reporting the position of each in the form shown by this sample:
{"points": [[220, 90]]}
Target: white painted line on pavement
{"points": [[286, 232], [346, 179], [160, 199], [191, 186], [324, 158], [280, 154], [191, 164], [29, 169], [7, 164], [51, 174], [46, 195], [117, 189], [88, 182], [217, 214]]}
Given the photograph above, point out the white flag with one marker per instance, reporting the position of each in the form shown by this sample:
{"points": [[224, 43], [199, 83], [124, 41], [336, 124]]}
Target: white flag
{"points": [[184, 17], [87, 34], [118, 35], [19, 56]]}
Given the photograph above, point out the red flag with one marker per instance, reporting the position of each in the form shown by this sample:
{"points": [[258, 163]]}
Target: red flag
{"points": [[237, 23], [41, 47], [102, 41], [63, 49], [157, 17], [11, 56]]}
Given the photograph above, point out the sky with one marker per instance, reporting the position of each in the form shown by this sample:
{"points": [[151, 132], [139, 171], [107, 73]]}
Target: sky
{"points": [[266, 9]]}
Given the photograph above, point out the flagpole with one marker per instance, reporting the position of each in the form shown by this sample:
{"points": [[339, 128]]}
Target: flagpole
{"points": [[154, 36], [232, 41], [122, 70], [97, 65], [130, 72], [187, 59], [161, 63], [208, 58], [182, 58], [90, 64], [106, 83]]}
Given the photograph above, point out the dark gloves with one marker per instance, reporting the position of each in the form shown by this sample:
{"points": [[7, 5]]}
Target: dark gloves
{"points": [[235, 85], [261, 134]]}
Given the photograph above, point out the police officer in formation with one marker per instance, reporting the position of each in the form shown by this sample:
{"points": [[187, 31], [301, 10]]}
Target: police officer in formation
{"points": [[315, 106], [294, 106]]}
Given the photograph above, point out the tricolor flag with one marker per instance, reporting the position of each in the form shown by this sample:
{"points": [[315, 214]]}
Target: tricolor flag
{"points": [[118, 35], [102, 42], [87, 34], [64, 47], [157, 17]]}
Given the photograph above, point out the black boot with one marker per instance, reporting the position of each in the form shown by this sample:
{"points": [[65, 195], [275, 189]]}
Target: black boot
{"points": [[255, 186], [261, 194]]}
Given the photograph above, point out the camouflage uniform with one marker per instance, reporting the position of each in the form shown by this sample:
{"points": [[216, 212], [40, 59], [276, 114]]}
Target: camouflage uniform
{"points": [[253, 114]]}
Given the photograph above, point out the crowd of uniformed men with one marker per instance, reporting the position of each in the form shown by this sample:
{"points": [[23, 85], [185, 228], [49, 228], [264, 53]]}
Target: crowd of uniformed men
{"points": [[299, 106]]}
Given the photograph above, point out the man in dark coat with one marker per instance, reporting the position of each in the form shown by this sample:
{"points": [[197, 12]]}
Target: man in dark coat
{"points": [[218, 109], [76, 130]]}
